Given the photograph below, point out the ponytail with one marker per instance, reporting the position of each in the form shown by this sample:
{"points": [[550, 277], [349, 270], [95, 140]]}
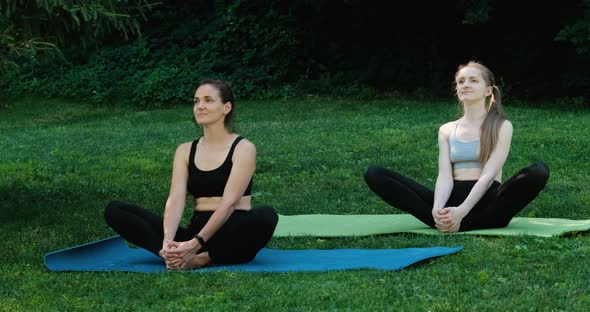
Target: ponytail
{"points": [[490, 128]]}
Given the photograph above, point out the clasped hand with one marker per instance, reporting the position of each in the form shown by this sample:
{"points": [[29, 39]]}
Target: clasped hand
{"points": [[179, 254], [448, 219]]}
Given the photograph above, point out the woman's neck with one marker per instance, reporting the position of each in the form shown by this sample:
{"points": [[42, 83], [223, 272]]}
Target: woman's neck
{"points": [[216, 133], [474, 112]]}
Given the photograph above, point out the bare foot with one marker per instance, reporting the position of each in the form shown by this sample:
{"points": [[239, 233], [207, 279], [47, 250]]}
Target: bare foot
{"points": [[453, 229], [199, 261]]}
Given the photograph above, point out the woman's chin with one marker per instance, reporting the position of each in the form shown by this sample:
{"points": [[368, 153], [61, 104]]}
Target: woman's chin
{"points": [[201, 121], [469, 100], [204, 121]]}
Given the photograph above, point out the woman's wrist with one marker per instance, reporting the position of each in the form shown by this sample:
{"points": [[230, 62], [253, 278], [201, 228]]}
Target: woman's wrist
{"points": [[200, 240], [463, 210]]}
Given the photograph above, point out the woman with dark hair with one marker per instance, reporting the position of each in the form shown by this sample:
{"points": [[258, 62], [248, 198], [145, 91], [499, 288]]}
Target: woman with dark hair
{"points": [[217, 170], [472, 150]]}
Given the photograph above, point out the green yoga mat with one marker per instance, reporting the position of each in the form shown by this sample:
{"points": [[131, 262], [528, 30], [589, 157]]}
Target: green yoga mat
{"points": [[364, 225]]}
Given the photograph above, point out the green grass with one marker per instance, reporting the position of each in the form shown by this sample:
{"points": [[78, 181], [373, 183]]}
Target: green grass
{"points": [[61, 162]]}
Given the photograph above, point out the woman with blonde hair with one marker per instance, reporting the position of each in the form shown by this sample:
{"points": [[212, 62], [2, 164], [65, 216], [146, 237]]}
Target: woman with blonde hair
{"points": [[472, 151]]}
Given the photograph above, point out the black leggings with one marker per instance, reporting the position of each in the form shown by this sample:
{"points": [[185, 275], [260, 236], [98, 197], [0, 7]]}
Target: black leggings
{"points": [[494, 210], [243, 235]]}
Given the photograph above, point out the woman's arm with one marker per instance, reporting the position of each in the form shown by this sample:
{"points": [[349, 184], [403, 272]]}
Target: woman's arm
{"points": [[444, 181], [490, 170], [244, 164], [177, 197]]}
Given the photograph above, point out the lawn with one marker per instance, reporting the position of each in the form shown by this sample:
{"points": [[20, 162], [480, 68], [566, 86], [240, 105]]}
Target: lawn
{"points": [[61, 162]]}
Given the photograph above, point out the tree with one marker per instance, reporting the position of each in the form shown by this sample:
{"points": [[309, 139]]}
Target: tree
{"points": [[578, 32], [34, 29]]}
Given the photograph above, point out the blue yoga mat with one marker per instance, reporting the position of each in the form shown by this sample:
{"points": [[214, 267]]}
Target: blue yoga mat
{"points": [[113, 254]]}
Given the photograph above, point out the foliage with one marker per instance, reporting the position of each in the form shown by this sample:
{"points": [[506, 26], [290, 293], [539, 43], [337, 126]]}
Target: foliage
{"points": [[477, 11], [29, 29], [253, 50], [287, 49], [578, 32], [11, 50]]}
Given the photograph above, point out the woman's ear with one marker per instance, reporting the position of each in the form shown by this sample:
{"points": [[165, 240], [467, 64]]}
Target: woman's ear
{"points": [[489, 91], [227, 107]]}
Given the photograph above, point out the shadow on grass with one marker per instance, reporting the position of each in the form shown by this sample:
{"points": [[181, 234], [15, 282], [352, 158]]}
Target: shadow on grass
{"points": [[35, 205], [29, 113]]}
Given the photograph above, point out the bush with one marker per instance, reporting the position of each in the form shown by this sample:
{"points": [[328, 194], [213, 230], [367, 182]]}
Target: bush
{"points": [[252, 48], [284, 49]]}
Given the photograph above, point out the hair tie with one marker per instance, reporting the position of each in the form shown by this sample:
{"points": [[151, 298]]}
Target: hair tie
{"points": [[492, 101]]}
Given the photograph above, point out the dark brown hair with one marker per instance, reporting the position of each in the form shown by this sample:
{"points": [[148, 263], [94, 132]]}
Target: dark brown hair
{"points": [[226, 94]]}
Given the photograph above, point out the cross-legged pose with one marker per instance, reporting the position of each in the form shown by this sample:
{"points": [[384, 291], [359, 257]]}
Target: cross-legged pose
{"points": [[472, 150], [217, 170]]}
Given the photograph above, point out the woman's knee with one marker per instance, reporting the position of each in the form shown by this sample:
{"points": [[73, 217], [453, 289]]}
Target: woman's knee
{"points": [[113, 210], [539, 172], [267, 216], [373, 174]]}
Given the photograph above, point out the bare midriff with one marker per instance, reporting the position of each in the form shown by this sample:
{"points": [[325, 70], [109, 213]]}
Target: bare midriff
{"points": [[211, 203], [471, 174]]}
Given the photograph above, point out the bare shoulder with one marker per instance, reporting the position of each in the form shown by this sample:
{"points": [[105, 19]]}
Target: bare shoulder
{"points": [[183, 150], [184, 147], [245, 147], [445, 130], [506, 128]]}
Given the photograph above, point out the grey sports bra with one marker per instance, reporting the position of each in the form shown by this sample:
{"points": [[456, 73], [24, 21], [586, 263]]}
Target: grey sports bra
{"points": [[464, 154]]}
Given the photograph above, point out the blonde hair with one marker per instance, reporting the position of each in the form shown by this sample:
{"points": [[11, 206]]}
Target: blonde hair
{"points": [[490, 128]]}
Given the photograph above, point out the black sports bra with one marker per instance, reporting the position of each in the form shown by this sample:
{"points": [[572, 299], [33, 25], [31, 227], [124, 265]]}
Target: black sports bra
{"points": [[211, 183]]}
